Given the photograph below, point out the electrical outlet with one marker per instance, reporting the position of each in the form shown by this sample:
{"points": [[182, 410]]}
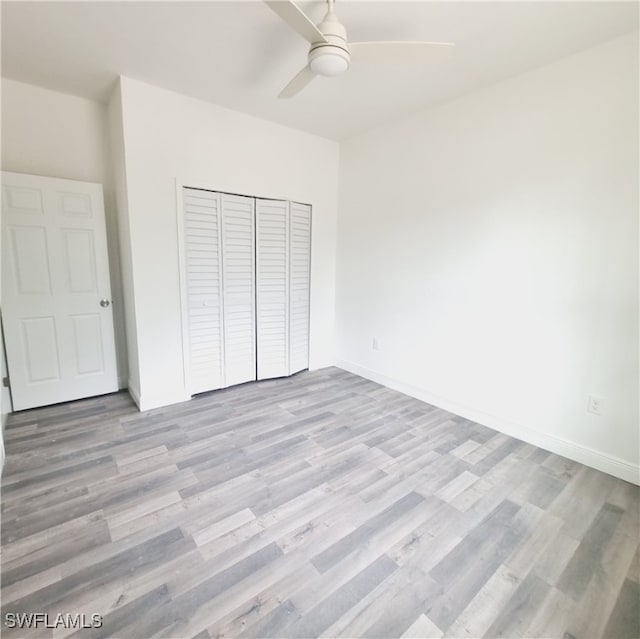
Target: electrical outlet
{"points": [[374, 344], [595, 404]]}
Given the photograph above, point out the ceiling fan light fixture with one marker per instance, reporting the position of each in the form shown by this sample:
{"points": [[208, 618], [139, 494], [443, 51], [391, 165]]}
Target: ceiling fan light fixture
{"points": [[331, 52], [329, 61]]}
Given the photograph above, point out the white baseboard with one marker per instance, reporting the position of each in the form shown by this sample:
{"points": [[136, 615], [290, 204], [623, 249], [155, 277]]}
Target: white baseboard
{"points": [[149, 402], [576, 452], [134, 392]]}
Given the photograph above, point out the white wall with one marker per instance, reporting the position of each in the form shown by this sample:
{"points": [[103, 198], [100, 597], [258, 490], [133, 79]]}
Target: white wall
{"points": [[57, 135], [491, 246], [168, 136]]}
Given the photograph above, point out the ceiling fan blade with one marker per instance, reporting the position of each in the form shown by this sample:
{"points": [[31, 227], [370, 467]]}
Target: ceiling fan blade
{"points": [[397, 51], [298, 83], [296, 19]]}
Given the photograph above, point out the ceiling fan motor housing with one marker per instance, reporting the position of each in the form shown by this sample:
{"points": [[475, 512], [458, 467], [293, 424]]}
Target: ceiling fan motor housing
{"points": [[331, 57]]}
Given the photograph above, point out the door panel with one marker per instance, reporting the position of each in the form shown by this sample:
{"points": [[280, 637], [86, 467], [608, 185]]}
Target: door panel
{"points": [[203, 290], [238, 257], [30, 251], [40, 349], [272, 292], [22, 200], [299, 278], [80, 260], [75, 204], [59, 339], [87, 333]]}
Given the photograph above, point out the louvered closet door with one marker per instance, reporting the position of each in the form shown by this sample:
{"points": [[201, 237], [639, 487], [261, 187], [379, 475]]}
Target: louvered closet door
{"points": [[272, 287], [299, 275], [238, 282], [202, 254]]}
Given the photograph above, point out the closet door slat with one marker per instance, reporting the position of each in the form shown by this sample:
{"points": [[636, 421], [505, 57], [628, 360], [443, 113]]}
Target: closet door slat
{"points": [[272, 282]]}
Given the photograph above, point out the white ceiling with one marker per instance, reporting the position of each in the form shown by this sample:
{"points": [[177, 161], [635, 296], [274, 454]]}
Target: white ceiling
{"points": [[239, 54]]}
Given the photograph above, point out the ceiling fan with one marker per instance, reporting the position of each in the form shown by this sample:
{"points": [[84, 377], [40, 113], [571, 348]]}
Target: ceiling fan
{"points": [[330, 53]]}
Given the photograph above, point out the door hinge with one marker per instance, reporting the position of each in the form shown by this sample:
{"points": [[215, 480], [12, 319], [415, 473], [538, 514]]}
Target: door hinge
{"points": [[6, 383]]}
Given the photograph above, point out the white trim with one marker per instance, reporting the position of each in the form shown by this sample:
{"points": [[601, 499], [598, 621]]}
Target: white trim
{"points": [[576, 452], [147, 402], [223, 326], [182, 282], [287, 244], [134, 392], [159, 401]]}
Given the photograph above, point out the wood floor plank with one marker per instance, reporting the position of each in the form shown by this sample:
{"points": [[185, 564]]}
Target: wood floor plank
{"points": [[327, 611], [587, 557], [515, 617], [476, 619], [422, 628], [624, 621], [273, 624], [322, 504], [401, 606], [473, 562], [269, 610], [341, 549], [550, 620], [372, 607], [598, 600]]}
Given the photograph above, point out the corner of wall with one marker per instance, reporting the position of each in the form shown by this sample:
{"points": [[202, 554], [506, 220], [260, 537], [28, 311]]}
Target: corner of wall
{"points": [[118, 161]]}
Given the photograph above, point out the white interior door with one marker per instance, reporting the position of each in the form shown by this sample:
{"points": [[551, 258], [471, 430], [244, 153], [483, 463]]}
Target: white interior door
{"points": [[56, 295], [203, 289], [299, 285], [272, 287], [238, 283]]}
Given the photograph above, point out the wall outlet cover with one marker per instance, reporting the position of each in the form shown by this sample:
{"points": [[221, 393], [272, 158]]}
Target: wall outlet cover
{"points": [[595, 404]]}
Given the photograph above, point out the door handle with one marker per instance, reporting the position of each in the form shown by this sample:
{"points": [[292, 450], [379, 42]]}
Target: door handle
{"points": [[104, 303]]}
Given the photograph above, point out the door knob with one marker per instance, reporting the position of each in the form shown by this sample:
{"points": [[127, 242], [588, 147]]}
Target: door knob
{"points": [[104, 303]]}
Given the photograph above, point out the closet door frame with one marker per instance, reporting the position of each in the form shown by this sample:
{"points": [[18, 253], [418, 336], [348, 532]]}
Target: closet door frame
{"points": [[182, 283]]}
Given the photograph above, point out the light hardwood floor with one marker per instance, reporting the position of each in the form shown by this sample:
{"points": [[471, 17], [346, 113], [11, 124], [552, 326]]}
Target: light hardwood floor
{"points": [[318, 505]]}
